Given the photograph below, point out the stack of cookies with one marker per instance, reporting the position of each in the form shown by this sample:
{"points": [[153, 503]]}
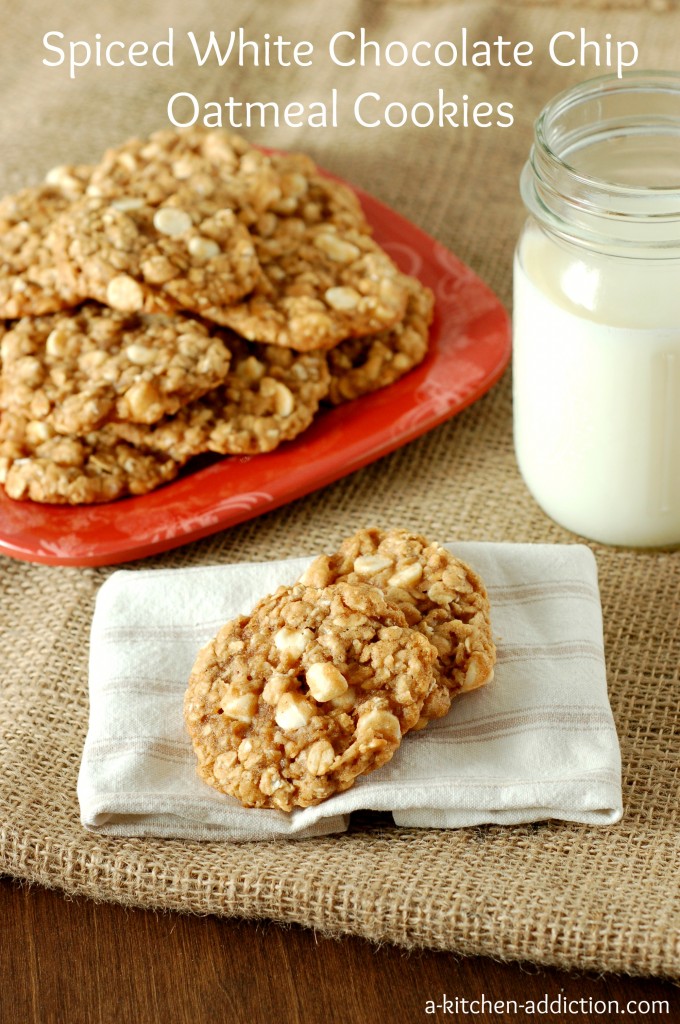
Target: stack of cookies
{"points": [[318, 685], [188, 294]]}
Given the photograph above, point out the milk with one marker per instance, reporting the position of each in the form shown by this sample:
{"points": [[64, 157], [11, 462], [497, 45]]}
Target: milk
{"points": [[596, 372]]}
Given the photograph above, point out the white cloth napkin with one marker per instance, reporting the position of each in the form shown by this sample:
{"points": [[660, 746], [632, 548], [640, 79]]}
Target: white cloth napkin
{"points": [[538, 742]]}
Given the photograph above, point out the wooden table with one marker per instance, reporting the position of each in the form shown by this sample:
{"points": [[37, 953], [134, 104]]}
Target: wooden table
{"points": [[71, 961]]}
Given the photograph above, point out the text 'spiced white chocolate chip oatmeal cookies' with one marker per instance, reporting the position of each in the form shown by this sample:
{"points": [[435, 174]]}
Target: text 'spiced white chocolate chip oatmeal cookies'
{"points": [[30, 283], [39, 465], [317, 686], [361, 365], [135, 257], [440, 596], [270, 395], [320, 283], [77, 370]]}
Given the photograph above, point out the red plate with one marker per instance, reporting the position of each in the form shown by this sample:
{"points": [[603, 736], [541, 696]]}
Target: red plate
{"points": [[469, 351]]}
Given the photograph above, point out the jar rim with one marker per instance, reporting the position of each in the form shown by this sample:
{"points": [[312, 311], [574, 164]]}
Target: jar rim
{"points": [[640, 114], [667, 82]]}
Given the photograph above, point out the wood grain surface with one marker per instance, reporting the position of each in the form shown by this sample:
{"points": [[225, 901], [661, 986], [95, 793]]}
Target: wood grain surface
{"points": [[66, 961]]}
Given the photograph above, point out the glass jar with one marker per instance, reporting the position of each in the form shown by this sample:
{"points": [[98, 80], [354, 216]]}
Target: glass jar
{"points": [[596, 326]]}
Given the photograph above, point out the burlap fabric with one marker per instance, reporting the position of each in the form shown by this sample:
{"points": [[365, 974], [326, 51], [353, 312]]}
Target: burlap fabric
{"points": [[573, 896]]}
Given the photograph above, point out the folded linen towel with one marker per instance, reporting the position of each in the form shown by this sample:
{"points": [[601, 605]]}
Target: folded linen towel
{"points": [[538, 742]]}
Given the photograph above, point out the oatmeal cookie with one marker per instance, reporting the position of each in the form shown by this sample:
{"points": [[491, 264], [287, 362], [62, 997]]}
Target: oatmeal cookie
{"points": [[270, 395], [77, 370], [307, 197], [361, 365], [29, 281], [41, 466], [320, 283], [224, 168], [136, 257], [214, 167], [290, 704], [440, 596]]}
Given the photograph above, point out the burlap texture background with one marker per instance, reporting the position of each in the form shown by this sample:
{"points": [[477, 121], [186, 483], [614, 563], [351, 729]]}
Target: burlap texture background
{"points": [[573, 896]]}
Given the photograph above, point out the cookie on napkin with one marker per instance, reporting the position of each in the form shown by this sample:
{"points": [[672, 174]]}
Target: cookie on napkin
{"points": [[292, 703], [441, 597]]}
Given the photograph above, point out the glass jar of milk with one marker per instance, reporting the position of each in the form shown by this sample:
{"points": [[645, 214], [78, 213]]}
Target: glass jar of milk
{"points": [[596, 364]]}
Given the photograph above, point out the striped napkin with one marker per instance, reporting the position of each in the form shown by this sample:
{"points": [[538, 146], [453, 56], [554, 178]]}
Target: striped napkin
{"points": [[537, 742]]}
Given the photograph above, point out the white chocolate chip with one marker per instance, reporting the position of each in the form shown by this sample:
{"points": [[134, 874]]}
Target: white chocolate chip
{"points": [[342, 298], [37, 431], [250, 370], [124, 293], [296, 184], [475, 676], [292, 641], [380, 721], [325, 681], [57, 342], [293, 712], [366, 565], [203, 248], [284, 403], [346, 700], [127, 161], [140, 355], [142, 401], [172, 222], [275, 687], [127, 203], [407, 576], [97, 357], [242, 707], [223, 763], [60, 177], [29, 370], [55, 175], [471, 676], [270, 781], [182, 168], [244, 748], [158, 270], [336, 248], [320, 757]]}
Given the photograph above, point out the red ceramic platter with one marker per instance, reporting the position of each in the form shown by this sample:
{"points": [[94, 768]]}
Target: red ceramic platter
{"points": [[470, 349]]}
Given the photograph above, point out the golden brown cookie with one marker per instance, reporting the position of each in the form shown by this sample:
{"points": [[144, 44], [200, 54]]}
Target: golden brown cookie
{"points": [[320, 283], [292, 703], [270, 395], [212, 166], [440, 596], [307, 197], [41, 466], [188, 253], [361, 365], [79, 369], [29, 281]]}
